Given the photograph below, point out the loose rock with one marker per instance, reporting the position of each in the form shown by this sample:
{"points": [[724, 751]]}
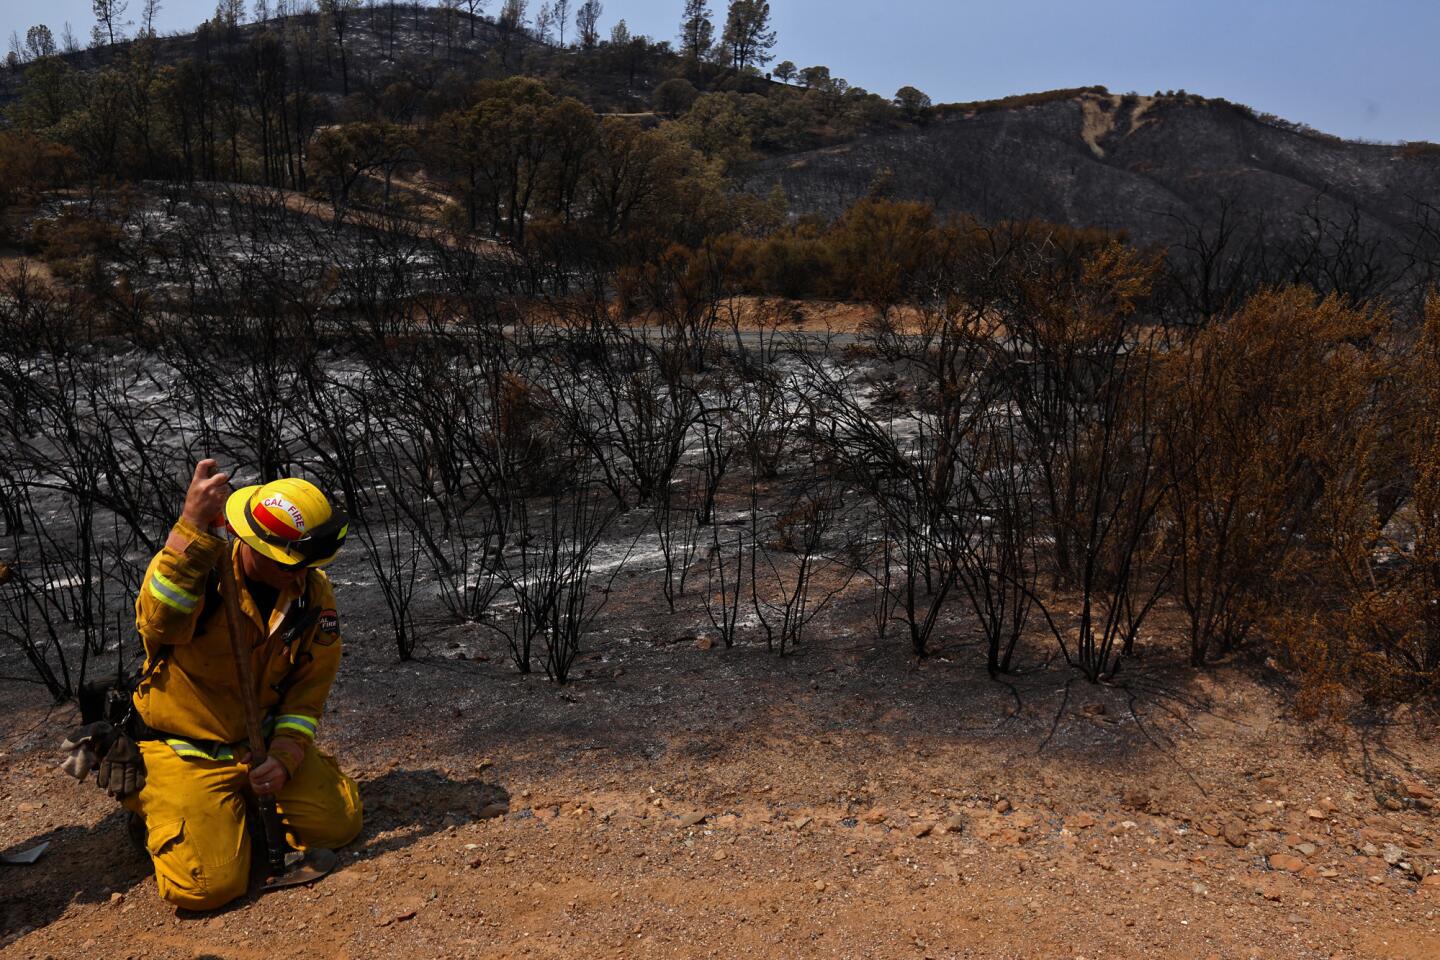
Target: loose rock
{"points": [[405, 909]]}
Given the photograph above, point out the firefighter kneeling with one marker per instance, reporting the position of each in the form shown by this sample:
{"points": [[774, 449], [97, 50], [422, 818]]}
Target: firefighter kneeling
{"points": [[192, 740]]}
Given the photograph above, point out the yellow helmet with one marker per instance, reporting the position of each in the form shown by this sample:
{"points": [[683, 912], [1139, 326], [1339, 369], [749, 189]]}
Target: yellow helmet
{"points": [[289, 521]]}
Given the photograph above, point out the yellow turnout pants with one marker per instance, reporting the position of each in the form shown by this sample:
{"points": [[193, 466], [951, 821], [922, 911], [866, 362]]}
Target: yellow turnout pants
{"points": [[194, 812]]}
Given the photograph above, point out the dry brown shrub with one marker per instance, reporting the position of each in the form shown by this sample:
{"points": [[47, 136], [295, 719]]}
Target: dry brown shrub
{"points": [[76, 245], [30, 164], [1418, 148], [1379, 634], [880, 245], [1269, 437], [1018, 101], [1318, 663]]}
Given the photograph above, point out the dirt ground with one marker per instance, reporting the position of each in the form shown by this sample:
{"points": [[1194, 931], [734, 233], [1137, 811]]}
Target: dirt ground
{"points": [[10, 265], [679, 799]]}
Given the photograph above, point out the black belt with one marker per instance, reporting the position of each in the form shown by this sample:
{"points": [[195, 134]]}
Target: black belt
{"points": [[140, 731]]}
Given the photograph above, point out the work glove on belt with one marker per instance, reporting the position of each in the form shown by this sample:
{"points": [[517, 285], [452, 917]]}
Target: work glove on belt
{"points": [[113, 756], [85, 746]]}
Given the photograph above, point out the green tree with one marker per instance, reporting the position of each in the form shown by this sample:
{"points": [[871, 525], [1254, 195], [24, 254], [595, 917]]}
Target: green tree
{"points": [[50, 91], [96, 131], [141, 84], [748, 38], [188, 94], [39, 42], [573, 130], [633, 175], [344, 155], [631, 52], [722, 127], [785, 71], [912, 102], [230, 13], [815, 78], [697, 31], [109, 19], [512, 14], [587, 23], [513, 149], [673, 97]]}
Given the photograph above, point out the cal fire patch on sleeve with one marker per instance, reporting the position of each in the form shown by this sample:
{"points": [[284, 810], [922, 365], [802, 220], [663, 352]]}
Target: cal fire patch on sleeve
{"points": [[329, 628]]}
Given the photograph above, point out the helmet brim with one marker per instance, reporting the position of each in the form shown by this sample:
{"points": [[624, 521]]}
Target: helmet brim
{"points": [[237, 515]]}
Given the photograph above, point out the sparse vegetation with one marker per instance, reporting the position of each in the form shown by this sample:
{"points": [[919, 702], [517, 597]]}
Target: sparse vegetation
{"points": [[537, 298], [1019, 101], [1066, 454]]}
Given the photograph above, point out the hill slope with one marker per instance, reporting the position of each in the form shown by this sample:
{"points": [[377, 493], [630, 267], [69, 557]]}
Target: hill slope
{"points": [[1131, 163], [1151, 166]]}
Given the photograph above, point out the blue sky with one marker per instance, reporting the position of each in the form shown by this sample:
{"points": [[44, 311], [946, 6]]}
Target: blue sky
{"points": [[1357, 69]]}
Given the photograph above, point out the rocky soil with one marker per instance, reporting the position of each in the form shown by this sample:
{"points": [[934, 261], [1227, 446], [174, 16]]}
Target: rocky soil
{"points": [[679, 799]]}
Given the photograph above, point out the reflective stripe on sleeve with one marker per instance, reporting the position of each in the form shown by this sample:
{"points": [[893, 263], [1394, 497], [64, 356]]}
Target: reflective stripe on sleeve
{"points": [[171, 595], [297, 723]]}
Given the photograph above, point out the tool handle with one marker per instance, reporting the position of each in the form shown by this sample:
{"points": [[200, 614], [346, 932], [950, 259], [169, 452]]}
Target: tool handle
{"points": [[237, 625]]}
